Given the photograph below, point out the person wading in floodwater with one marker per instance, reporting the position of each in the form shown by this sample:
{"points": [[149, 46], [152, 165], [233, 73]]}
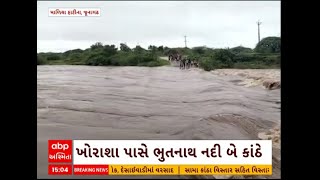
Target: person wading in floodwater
{"points": [[188, 63], [170, 58], [183, 63]]}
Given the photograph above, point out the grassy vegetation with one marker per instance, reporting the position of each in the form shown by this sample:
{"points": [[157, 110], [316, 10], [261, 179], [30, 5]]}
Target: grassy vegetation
{"points": [[265, 55], [103, 55]]}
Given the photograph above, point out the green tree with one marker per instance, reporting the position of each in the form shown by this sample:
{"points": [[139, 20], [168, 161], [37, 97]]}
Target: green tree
{"points": [[225, 57], [170, 51], [53, 56], [269, 45], [160, 49], [109, 50], [152, 48], [240, 49], [97, 45], [138, 49], [199, 50], [124, 48]]}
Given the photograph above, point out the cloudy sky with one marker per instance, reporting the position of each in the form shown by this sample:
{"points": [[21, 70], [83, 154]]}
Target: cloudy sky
{"points": [[216, 24]]}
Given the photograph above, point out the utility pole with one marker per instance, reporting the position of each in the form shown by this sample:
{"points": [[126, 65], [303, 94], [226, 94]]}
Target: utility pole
{"points": [[259, 30], [185, 41]]}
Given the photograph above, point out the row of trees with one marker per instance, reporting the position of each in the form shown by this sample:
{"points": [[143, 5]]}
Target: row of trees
{"points": [[265, 55], [104, 55]]}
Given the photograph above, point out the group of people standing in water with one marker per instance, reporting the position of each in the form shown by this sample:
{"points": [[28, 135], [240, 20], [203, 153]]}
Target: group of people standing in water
{"points": [[184, 62]]}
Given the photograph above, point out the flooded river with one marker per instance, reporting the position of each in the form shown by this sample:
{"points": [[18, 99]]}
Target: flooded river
{"points": [[81, 102]]}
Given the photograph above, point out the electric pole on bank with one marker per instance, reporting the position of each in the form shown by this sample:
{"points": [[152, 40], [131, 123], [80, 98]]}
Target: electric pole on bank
{"points": [[185, 41], [258, 23]]}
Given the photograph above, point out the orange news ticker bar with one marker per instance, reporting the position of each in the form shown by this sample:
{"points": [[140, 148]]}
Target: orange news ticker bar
{"points": [[68, 169]]}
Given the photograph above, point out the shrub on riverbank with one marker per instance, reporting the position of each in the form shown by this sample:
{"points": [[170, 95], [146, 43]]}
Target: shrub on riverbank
{"points": [[265, 55], [41, 60], [105, 55], [225, 59], [125, 59]]}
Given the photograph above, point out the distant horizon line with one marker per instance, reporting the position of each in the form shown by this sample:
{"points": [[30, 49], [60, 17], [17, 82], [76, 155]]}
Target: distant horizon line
{"points": [[145, 48], [138, 44], [118, 48]]}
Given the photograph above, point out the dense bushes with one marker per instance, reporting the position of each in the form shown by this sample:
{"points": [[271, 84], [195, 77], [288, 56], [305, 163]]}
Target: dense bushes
{"points": [[105, 55], [98, 60], [121, 59], [225, 59], [221, 58], [241, 49], [265, 55]]}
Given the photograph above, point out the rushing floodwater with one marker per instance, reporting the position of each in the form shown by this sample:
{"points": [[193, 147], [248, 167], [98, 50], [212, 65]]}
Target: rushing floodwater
{"points": [[80, 102]]}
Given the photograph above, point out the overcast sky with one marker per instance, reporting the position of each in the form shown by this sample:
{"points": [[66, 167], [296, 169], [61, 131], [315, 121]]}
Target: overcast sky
{"points": [[216, 24]]}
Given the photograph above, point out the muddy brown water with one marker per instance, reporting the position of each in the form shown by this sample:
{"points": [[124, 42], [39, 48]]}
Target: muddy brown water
{"points": [[82, 102]]}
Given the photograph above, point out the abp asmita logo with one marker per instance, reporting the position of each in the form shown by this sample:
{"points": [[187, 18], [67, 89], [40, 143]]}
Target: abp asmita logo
{"points": [[60, 151]]}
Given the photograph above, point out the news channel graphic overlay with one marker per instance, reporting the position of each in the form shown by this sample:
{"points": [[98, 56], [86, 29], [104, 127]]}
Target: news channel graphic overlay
{"points": [[169, 157], [60, 169], [74, 12], [60, 151]]}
